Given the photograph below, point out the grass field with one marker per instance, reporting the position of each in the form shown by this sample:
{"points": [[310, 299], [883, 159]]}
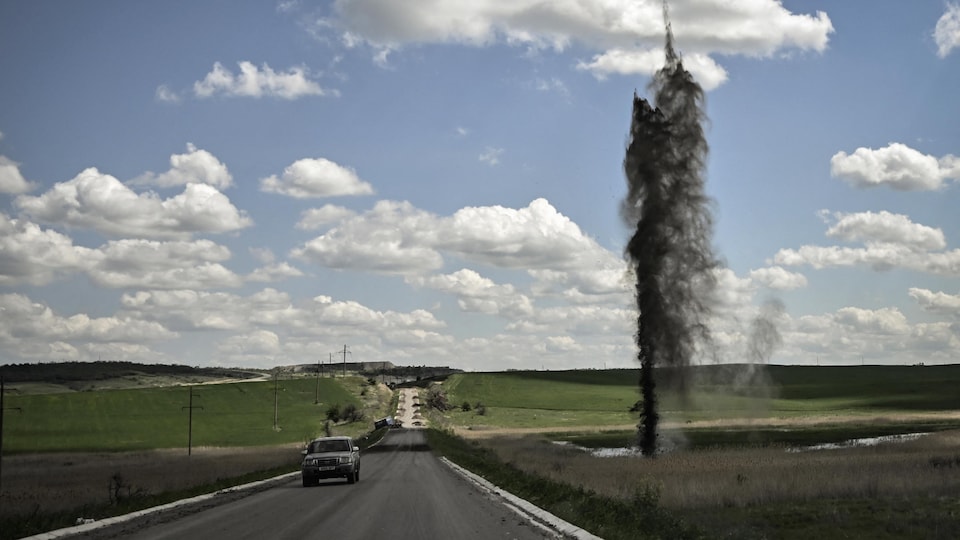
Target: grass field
{"points": [[239, 414], [603, 398]]}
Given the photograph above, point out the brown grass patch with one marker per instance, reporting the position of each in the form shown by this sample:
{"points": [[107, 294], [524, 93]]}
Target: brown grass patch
{"points": [[716, 478], [49, 483]]}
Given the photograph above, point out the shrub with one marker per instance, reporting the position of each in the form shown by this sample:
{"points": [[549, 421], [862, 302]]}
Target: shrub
{"points": [[333, 413], [481, 409], [119, 490], [351, 413], [437, 399], [465, 407]]}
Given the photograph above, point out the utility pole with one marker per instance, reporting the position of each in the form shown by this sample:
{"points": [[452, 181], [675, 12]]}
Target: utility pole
{"points": [[276, 400], [317, 399], [345, 353], [190, 407]]}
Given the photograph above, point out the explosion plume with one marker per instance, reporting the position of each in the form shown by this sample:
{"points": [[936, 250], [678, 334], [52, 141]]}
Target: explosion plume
{"points": [[670, 251]]}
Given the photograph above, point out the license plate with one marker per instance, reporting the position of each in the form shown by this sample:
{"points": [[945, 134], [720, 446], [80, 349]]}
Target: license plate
{"points": [[325, 468]]}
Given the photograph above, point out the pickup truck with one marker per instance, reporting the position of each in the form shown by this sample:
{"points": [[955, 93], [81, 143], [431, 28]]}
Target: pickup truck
{"points": [[330, 457]]}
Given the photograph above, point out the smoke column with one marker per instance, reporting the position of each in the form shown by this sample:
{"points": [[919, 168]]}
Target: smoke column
{"points": [[670, 251], [764, 340]]}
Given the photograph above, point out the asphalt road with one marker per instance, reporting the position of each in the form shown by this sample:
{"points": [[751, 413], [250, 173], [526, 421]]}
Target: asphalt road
{"points": [[404, 492]]}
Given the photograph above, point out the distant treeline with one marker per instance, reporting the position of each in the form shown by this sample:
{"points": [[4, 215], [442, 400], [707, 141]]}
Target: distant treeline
{"points": [[63, 372], [377, 369]]}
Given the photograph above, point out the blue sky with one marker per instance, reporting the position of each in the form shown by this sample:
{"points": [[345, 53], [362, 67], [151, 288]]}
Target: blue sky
{"points": [[437, 183]]}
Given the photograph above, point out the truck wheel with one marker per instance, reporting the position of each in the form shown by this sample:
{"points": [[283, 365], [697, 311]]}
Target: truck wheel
{"points": [[351, 478], [306, 481], [357, 475]]}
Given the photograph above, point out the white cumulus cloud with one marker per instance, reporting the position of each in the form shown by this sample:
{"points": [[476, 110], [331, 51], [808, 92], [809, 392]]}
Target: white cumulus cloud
{"points": [[537, 236], [198, 310], [704, 69], [197, 166], [274, 272], [937, 302], [140, 263], [165, 94], [622, 32], [491, 155], [947, 32], [101, 202], [873, 321], [885, 227], [890, 241], [778, 278], [36, 256], [316, 218], [477, 293], [319, 177], [29, 254], [256, 82], [255, 343], [11, 181], [895, 165], [23, 319], [395, 237]]}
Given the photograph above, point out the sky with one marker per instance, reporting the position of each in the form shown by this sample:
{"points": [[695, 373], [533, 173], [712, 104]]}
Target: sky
{"points": [[254, 184]]}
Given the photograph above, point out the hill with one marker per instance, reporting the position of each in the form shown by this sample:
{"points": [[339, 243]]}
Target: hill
{"points": [[85, 376]]}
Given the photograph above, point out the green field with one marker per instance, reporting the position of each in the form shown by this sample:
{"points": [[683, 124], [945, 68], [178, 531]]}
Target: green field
{"points": [[603, 398], [240, 414]]}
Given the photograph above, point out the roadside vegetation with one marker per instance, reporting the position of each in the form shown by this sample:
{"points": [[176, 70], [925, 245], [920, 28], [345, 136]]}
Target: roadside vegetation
{"points": [[708, 486], [638, 516], [736, 464]]}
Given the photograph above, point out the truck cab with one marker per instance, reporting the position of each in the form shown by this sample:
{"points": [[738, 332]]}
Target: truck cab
{"points": [[330, 457]]}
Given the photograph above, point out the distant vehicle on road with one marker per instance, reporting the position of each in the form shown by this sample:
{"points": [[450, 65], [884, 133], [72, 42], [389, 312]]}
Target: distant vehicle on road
{"points": [[385, 422], [330, 457]]}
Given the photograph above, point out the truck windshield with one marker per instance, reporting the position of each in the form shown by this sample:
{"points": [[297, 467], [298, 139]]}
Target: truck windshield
{"points": [[319, 447]]}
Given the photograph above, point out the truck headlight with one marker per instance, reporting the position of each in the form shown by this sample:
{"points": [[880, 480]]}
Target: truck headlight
{"points": [[346, 459]]}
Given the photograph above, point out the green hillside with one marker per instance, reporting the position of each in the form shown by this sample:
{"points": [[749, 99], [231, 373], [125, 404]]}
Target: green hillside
{"points": [[240, 414], [604, 397]]}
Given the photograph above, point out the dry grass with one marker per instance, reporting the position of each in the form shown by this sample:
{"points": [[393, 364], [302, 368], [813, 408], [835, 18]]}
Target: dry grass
{"points": [[929, 466], [49, 483]]}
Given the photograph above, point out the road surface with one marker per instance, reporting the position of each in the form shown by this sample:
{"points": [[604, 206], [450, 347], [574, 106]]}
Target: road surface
{"points": [[404, 492]]}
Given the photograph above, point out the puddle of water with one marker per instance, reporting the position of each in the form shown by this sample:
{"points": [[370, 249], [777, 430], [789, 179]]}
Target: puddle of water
{"points": [[614, 452], [860, 443], [852, 443], [602, 452]]}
